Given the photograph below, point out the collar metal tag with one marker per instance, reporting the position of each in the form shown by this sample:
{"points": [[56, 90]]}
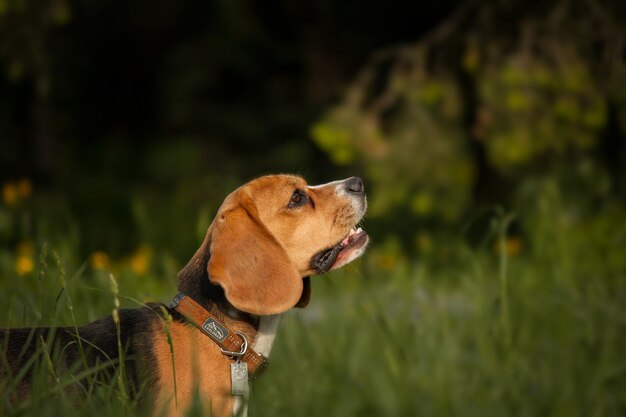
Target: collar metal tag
{"points": [[239, 378]]}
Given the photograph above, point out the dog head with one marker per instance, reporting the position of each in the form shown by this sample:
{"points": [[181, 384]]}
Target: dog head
{"points": [[272, 233]]}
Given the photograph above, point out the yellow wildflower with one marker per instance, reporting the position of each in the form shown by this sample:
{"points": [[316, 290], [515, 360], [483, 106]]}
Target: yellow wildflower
{"points": [[99, 260], [24, 188], [140, 261], [9, 193], [24, 265], [511, 246]]}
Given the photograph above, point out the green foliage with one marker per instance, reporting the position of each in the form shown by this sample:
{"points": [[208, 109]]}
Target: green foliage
{"points": [[416, 157], [532, 109], [438, 133]]}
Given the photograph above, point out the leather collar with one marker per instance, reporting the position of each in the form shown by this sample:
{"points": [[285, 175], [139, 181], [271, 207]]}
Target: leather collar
{"points": [[233, 344]]}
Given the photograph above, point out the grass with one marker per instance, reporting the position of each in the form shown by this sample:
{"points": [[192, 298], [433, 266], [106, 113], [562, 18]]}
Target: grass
{"points": [[541, 333]]}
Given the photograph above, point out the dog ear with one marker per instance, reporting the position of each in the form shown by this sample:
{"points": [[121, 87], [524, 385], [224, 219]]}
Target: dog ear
{"points": [[250, 265]]}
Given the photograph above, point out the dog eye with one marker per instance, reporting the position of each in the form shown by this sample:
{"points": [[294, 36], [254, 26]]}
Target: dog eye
{"points": [[297, 199]]}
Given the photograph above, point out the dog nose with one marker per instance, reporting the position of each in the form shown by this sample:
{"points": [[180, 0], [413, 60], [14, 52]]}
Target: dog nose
{"points": [[355, 185]]}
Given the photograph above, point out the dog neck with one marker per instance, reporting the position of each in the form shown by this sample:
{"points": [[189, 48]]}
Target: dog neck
{"points": [[213, 299], [194, 280]]}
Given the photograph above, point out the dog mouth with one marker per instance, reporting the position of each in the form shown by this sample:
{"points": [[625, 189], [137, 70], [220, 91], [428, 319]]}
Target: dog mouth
{"points": [[344, 252]]}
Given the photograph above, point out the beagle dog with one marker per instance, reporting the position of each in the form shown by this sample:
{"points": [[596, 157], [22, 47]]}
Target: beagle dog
{"points": [[268, 237]]}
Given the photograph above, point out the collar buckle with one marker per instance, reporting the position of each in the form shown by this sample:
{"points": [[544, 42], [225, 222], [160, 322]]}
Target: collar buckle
{"points": [[244, 347]]}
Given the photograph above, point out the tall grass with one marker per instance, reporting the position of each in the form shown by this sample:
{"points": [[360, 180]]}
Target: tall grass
{"points": [[541, 333]]}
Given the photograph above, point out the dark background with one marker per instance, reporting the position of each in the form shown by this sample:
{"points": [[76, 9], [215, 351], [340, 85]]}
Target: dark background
{"points": [[246, 79], [119, 115]]}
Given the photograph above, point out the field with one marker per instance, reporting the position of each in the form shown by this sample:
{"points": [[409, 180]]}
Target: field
{"points": [[533, 325]]}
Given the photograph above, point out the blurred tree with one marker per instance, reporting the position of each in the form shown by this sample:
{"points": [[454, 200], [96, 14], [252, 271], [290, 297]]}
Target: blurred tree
{"points": [[500, 91]]}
